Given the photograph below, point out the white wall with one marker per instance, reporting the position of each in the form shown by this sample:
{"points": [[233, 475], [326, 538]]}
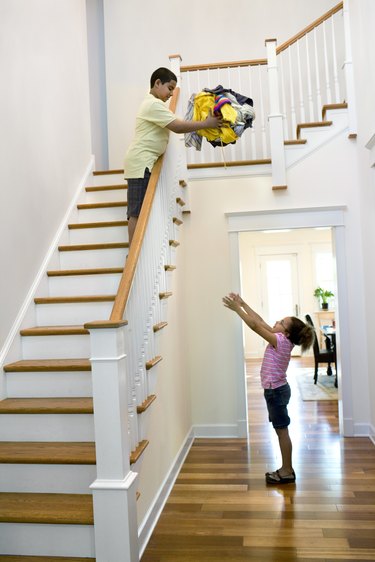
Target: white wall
{"points": [[45, 134], [326, 178], [141, 35], [362, 17]]}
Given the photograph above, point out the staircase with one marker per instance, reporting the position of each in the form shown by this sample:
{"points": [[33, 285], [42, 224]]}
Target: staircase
{"points": [[47, 448]]}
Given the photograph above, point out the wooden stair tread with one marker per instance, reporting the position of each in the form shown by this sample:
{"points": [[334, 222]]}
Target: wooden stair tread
{"points": [[92, 271], [103, 205], [135, 455], [177, 221], [34, 452], [295, 141], [115, 187], [20, 558], [54, 331], [48, 365], [165, 295], [180, 201], [103, 224], [46, 406], [329, 106], [73, 299], [312, 125], [160, 326], [69, 509], [169, 267], [174, 243], [152, 362], [146, 404], [87, 247]]}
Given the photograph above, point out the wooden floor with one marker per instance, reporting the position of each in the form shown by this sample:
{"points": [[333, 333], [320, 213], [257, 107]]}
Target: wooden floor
{"points": [[221, 508]]}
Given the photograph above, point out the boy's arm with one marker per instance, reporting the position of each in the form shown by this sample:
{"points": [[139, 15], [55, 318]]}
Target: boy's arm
{"points": [[181, 126]]}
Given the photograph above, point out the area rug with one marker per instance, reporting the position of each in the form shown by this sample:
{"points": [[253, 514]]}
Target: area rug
{"points": [[324, 389]]}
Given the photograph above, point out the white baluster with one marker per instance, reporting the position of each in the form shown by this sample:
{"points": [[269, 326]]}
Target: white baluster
{"points": [[317, 73], [309, 89], [302, 117], [287, 135], [292, 103], [262, 119], [253, 154], [326, 67], [334, 63], [243, 138]]}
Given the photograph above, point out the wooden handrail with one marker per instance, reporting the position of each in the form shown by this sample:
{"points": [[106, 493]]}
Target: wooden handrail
{"points": [[257, 62], [139, 233], [233, 64], [309, 28]]}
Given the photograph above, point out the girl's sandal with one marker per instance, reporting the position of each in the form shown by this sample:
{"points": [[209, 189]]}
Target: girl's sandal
{"points": [[276, 478]]}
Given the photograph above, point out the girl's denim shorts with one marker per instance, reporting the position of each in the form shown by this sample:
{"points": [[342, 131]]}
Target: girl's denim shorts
{"points": [[277, 400]]}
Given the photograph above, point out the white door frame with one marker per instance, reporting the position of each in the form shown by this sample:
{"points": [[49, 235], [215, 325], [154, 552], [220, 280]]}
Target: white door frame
{"points": [[303, 218]]}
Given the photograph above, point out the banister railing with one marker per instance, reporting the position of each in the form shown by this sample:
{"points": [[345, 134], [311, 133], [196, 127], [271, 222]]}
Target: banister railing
{"points": [[121, 350], [311, 71], [139, 234], [247, 77], [310, 67]]}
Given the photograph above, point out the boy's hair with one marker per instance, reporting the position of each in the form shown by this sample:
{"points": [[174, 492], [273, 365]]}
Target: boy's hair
{"points": [[162, 74], [300, 333]]}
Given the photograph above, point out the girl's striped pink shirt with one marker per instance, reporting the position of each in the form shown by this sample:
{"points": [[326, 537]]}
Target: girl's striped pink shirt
{"points": [[275, 362]]}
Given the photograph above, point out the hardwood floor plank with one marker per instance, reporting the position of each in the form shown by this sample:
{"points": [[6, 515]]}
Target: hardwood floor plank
{"points": [[220, 496]]}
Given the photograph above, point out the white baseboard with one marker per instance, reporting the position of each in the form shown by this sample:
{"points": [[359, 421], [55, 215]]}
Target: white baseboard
{"points": [[147, 526], [372, 433], [218, 431], [5, 352], [362, 430]]}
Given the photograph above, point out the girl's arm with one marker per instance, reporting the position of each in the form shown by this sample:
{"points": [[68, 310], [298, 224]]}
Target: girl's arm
{"points": [[251, 318]]}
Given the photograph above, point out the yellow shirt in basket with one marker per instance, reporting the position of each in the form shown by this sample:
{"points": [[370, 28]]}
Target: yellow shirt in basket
{"points": [[204, 102]]}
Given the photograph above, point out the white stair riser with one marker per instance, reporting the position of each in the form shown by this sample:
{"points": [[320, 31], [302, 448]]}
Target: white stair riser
{"points": [[86, 259], [72, 313], [46, 427], [47, 540], [105, 195], [103, 214], [78, 285], [95, 235], [316, 136], [49, 385], [55, 347], [47, 478], [107, 179]]}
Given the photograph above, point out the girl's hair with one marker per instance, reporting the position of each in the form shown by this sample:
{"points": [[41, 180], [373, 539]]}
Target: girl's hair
{"points": [[300, 333]]}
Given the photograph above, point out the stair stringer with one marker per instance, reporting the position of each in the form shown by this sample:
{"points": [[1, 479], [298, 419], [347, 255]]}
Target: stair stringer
{"points": [[318, 137]]}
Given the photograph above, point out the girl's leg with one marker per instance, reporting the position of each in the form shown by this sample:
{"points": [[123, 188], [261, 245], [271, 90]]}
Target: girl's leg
{"points": [[285, 444]]}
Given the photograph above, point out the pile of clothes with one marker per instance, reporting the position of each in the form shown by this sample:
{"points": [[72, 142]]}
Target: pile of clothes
{"points": [[236, 109]]}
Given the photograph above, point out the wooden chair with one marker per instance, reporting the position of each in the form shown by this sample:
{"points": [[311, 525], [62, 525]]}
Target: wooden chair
{"points": [[321, 355]]}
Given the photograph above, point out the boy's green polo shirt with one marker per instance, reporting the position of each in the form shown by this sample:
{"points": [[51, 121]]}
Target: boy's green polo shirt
{"points": [[151, 137]]}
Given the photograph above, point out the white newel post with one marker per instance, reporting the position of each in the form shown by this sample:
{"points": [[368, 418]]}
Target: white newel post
{"points": [[349, 75], [175, 63], [114, 491], [275, 119]]}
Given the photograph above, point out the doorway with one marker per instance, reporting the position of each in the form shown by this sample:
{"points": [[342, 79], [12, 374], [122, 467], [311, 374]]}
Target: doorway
{"points": [[293, 219]]}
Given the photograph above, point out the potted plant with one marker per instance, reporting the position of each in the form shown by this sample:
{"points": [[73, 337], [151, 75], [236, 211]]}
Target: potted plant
{"points": [[324, 295]]}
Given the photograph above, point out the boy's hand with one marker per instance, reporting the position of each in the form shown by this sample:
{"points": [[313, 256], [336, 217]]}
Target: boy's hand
{"points": [[213, 122]]}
